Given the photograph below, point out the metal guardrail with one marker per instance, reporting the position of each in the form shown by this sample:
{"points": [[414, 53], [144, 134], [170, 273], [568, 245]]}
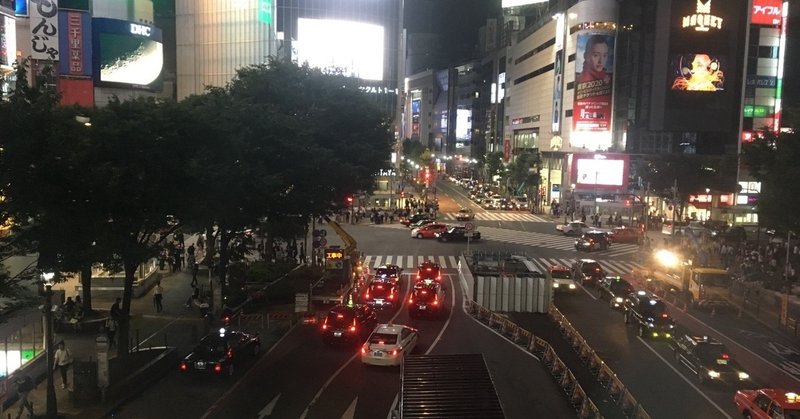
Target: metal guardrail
{"points": [[564, 377]]}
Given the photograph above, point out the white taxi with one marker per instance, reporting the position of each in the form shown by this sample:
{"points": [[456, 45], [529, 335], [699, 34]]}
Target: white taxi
{"points": [[388, 344]]}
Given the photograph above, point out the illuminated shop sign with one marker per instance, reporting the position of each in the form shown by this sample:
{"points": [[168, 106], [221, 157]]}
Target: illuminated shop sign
{"points": [[137, 29], [766, 12], [758, 111], [702, 20]]}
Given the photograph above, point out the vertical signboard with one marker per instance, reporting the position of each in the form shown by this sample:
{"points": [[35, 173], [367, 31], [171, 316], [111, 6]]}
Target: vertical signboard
{"points": [[8, 41], [766, 12], [415, 105], [265, 11], [776, 121], [491, 34], [507, 148], [44, 29], [21, 7], [558, 74], [75, 43], [591, 110]]}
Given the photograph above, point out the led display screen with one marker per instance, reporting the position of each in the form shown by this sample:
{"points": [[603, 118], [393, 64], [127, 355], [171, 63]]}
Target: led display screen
{"points": [[8, 41], [594, 70], [463, 124], [700, 72], [127, 54], [354, 48], [602, 171]]}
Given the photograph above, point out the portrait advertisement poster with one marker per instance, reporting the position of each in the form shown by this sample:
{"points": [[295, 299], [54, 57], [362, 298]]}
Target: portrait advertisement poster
{"points": [[594, 67], [44, 29]]}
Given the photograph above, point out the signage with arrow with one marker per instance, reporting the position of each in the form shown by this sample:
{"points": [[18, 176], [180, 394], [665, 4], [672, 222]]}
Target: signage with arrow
{"points": [[267, 410]]}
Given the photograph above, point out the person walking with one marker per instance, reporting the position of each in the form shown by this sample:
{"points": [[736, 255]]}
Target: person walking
{"points": [[111, 331], [158, 296], [63, 360], [116, 311], [24, 385]]}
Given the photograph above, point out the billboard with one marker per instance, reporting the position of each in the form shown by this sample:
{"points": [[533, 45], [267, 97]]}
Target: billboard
{"points": [[700, 72], [76, 44], [126, 54], [44, 30], [517, 3], [354, 48], [464, 124], [591, 109], [415, 108], [8, 41], [766, 12], [601, 171], [21, 7]]}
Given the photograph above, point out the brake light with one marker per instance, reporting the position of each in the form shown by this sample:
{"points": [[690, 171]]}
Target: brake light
{"points": [[438, 277], [352, 329], [339, 316], [230, 353], [184, 367], [380, 342], [664, 315], [725, 356], [217, 367], [597, 269], [366, 296], [394, 352], [436, 302], [391, 296], [428, 269], [324, 326], [411, 300], [363, 349], [380, 287], [423, 292], [418, 277]]}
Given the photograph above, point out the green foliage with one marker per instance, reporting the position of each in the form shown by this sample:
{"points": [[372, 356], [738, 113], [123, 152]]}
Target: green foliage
{"points": [[772, 160], [494, 164], [412, 149], [525, 170]]}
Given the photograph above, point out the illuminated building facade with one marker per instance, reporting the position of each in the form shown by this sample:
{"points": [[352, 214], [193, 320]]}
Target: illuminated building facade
{"points": [[215, 38]]}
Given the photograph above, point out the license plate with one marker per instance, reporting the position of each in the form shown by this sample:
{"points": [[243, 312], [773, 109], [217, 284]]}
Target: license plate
{"points": [[337, 334], [379, 302], [423, 307], [378, 354], [200, 365]]}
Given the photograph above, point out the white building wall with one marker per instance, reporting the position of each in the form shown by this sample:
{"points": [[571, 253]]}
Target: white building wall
{"points": [[215, 38]]}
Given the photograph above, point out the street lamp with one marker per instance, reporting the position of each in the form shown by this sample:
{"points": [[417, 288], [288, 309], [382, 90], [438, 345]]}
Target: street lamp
{"points": [[52, 407]]}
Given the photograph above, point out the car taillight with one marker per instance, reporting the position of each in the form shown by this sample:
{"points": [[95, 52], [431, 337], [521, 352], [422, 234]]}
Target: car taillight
{"points": [[217, 367], [366, 296], [352, 328], [394, 352], [438, 277], [363, 349], [230, 353], [184, 367], [411, 300], [664, 315], [436, 302], [418, 277], [423, 292], [324, 326], [391, 296]]}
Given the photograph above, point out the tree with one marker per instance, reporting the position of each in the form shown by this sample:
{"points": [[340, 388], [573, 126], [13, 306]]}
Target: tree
{"points": [[692, 173], [772, 160], [412, 149], [140, 148], [493, 164], [524, 172]]}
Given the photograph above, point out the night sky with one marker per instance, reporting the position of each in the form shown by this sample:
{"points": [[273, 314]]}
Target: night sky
{"points": [[457, 21]]}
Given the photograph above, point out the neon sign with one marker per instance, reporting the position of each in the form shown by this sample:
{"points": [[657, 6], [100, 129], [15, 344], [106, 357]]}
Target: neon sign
{"points": [[702, 20]]}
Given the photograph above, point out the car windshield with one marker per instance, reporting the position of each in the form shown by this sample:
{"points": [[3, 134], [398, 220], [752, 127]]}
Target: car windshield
{"points": [[590, 268], [383, 338], [339, 318], [621, 287], [712, 354], [522, 199], [210, 346], [388, 271], [559, 274], [654, 308]]}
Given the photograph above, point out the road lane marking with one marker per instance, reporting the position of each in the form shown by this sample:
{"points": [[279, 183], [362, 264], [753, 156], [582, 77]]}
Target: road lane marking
{"points": [[346, 363], [247, 374], [672, 367], [350, 413], [267, 410]]}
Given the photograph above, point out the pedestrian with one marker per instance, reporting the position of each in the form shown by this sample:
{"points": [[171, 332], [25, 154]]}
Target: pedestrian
{"points": [[194, 296], [63, 360], [24, 385], [200, 242], [116, 311], [111, 331], [195, 268], [158, 296]]}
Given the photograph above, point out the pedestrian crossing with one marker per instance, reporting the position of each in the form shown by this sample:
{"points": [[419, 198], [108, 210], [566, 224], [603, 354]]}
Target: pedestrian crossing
{"points": [[500, 216], [612, 267], [551, 241]]}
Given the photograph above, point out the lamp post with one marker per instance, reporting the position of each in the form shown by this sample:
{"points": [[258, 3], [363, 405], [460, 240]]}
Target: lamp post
{"points": [[52, 407]]}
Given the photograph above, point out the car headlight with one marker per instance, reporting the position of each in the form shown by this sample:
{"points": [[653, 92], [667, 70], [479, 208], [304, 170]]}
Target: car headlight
{"points": [[650, 325], [555, 285], [713, 374], [744, 375], [619, 300], [572, 286]]}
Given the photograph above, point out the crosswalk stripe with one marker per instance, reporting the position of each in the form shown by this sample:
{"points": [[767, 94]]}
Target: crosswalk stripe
{"points": [[613, 267], [551, 241], [500, 216]]}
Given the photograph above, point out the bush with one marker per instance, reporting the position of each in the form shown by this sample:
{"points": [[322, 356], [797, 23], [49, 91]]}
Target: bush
{"points": [[265, 272]]}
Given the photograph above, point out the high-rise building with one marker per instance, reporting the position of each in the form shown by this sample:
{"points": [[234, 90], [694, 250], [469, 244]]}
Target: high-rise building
{"points": [[215, 38]]}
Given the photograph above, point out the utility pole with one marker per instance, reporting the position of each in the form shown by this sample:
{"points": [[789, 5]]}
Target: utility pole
{"points": [[674, 208]]}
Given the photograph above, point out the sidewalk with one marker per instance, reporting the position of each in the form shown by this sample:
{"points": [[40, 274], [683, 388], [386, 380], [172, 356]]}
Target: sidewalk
{"points": [[176, 326]]}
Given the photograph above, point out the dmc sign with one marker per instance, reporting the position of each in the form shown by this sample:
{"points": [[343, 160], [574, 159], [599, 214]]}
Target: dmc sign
{"points": [[143, 30], [702, 20], [766, 12]]}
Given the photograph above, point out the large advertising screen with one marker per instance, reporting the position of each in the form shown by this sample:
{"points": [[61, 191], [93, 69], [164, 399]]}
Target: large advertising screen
{"points": [[464, 124], [606, 171], [594, 67], [8, 42], [354, 48], [127, 54], [700, 72]]}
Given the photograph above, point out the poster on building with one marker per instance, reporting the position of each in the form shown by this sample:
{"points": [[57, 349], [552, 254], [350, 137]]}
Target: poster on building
{"points": [[591, 110], [415, 106], [75, 43], [507, 148], [44, 29]]}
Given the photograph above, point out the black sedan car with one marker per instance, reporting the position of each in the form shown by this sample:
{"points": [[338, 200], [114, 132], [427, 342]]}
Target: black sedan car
{"points": [[593, 240], [348, 324], [708, 359], [458, 233], [615, 290], [415, 218], [218, 353]]}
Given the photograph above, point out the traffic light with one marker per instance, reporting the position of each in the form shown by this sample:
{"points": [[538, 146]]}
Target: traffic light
{"points": [[349, 200]]}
